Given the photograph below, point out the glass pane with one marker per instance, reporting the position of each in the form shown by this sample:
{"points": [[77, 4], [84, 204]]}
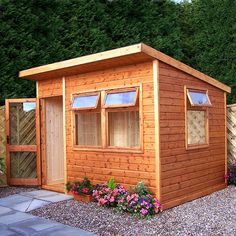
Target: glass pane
{"points": [[88, 129], [22, 123], [124, 98], [196, 127], [199, 98], [85, 101], [124, 129], [23, 165]]}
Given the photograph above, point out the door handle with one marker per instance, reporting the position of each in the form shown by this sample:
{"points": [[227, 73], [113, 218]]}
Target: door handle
{"points": [[8, 139]]}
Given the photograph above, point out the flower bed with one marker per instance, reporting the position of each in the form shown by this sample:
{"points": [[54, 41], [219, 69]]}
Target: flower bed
{"points": [[138, 201]]}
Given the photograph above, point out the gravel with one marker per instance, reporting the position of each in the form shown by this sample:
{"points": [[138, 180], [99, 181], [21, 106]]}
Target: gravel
{"points": [[214, 214], [7, 191]]}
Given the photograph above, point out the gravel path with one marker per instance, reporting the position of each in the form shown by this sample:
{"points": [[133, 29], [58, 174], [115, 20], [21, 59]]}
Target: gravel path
{"points": [[211, 215], [7, 191]]}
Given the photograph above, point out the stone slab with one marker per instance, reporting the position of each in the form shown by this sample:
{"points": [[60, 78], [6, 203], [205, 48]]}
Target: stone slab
{"points": [[4, 210], [46, 195], [57, 198], [14, 217], [13, 200], [38, 193], [35, 204], [33, 225]]}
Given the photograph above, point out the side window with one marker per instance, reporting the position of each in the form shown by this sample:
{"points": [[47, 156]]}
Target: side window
{"points": [[197, 105]]}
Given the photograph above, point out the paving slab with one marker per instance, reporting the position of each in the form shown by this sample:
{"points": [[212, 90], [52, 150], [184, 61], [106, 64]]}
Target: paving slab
{"points": [[13, 199], [14, 217], [46, 195], [33, 225], [56, 198], [38, 193], [35, 204], [15, 222], [28, 201], [4, 210], [5, 231]]}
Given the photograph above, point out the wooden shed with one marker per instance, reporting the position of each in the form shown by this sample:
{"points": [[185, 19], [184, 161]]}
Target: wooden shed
{"points": [[133, 113]]}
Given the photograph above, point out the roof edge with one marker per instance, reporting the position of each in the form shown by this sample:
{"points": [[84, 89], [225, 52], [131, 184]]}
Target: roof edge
{"points": [[118, 52], [180, 65]]}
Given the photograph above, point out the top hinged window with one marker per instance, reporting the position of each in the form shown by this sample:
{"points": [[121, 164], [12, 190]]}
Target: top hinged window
{"points": [[121, 98], [198, 97], [85, 101]]}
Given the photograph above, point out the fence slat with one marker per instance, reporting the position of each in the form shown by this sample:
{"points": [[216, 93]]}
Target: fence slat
{"points": [[231, 133]]}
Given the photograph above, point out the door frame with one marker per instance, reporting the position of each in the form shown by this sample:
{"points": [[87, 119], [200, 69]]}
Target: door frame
{"points": [[23, 148]]}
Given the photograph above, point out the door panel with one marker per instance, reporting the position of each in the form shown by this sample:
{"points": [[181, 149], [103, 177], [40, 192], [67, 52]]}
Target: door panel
{"points": [[23, 141], [54, 140]]}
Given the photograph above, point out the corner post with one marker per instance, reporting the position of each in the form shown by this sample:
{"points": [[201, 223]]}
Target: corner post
{"points": [[64, 125], [157, 127]]}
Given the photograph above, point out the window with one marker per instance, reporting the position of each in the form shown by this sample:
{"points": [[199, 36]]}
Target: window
{"points": [[88, 129], [196, 127], [198, 98], [89, 101], [121, 98], [123, 129], [197, 118], [123, 124], [87, 120], [107, 123]]}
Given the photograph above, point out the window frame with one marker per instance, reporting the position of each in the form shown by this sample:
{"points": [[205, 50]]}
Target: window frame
{"points": [[205, 108], [104, 110], [198, 91], [83, 95], [111, 91]]}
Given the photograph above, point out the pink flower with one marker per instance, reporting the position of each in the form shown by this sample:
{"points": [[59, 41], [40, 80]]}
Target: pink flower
{"points": [[112, 199], [85, 190], [143, 212], [102, 202]]}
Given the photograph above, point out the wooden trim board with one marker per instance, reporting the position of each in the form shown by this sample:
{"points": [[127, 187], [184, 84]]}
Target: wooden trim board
{"points": [[64, 125], [157, 126]]}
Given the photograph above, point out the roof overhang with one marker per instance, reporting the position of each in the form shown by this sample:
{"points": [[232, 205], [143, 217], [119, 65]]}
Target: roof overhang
{"points": [[113, 58]]}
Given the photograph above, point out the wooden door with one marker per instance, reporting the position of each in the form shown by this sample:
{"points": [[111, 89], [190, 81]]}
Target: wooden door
{"points": [[54, 141], [23, 142]]}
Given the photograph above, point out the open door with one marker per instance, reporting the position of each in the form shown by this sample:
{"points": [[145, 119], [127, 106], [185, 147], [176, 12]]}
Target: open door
{"points": [[23, 142]]}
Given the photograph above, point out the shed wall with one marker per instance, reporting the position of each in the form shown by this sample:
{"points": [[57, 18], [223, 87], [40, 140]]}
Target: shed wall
{"points": [[49, 88], [99, 166], [188, 174]]}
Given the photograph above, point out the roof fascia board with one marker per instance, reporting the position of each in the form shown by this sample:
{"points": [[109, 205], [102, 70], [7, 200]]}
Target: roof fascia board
{"points": [[133, 49], [181, 66]]}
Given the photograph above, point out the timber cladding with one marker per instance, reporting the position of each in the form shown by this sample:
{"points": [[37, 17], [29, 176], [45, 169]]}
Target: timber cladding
{"points": [[188, 174], [50, 88], [127, 168]]}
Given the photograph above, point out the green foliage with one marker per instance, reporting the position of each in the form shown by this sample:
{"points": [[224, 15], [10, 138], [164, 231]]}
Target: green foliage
{"points": [[141, 189], [111, 183], [68, 186], [32, 33]]}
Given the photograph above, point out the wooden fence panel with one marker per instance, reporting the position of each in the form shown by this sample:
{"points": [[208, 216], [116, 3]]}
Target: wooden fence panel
{"points": [[2, 140], [231, 133]]}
